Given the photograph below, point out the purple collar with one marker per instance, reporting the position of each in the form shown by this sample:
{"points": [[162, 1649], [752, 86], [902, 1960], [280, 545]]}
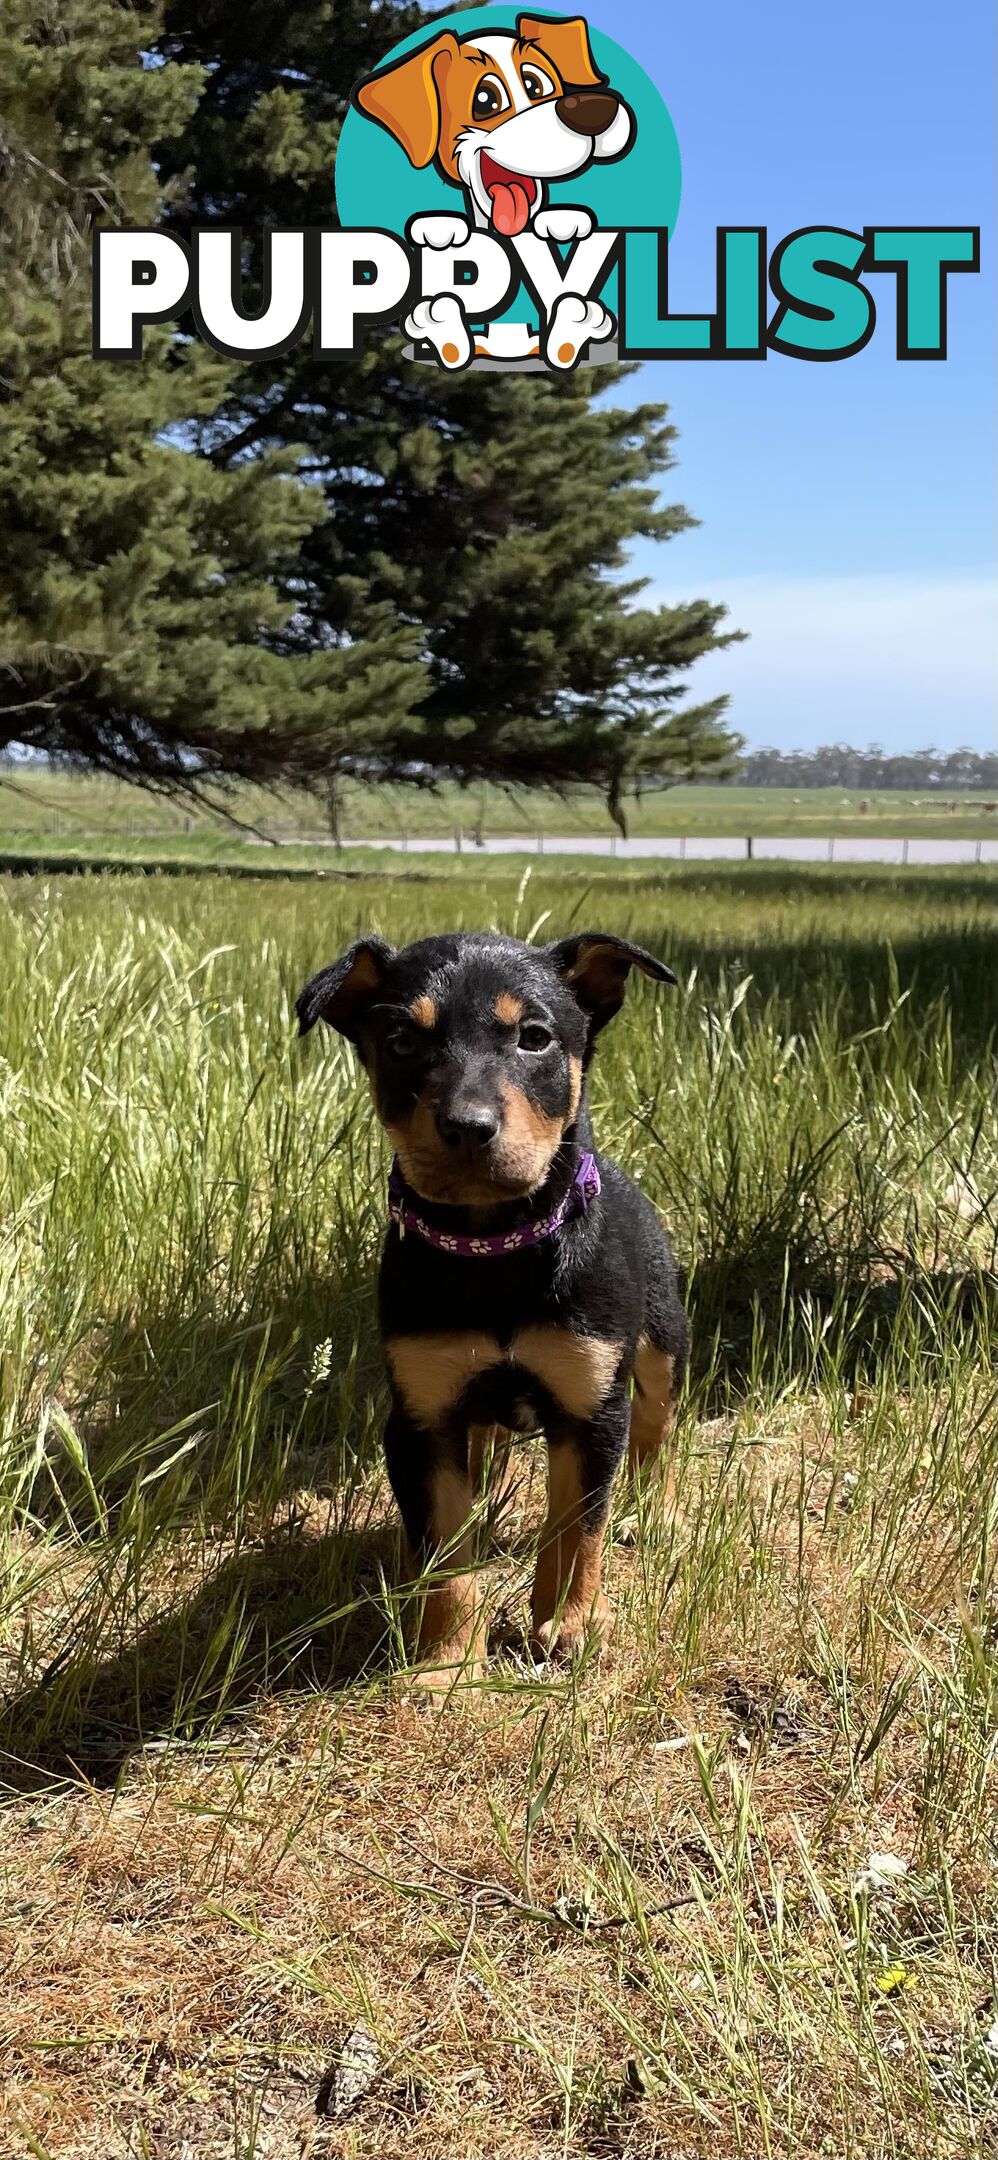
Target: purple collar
{"points": [[584, 1187]]}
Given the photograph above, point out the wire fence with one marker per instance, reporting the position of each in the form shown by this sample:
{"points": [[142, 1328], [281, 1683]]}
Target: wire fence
{"points": [[704, 847], [694, 847]]}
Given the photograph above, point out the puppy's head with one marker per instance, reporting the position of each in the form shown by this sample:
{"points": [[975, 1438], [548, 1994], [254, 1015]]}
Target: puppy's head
{"points": [[475, 1048], [499, 114]]}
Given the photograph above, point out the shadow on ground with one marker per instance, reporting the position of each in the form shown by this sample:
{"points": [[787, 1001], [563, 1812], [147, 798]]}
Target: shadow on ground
{"points": [[763, 1294], [859, 976], [202, 1403], [291, 1610]]}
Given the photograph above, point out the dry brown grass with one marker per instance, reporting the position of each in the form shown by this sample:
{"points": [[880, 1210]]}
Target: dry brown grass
{"points": [[667, 1962]]}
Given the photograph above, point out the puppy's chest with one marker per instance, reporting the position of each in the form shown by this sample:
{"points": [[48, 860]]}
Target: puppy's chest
{"points": [[442, 1371], [498, 1342]]}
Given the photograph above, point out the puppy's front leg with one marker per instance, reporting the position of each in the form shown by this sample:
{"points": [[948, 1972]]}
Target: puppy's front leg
{"points": [[567, 1602], [653, 1410], [431, 1481]]}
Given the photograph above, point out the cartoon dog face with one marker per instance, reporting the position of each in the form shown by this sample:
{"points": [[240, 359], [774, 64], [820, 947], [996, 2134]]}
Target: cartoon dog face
{"points": [[501, 114]]}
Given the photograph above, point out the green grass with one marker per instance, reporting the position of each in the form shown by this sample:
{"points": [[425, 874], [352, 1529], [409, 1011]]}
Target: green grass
{"points": [[51, 811], [619, 1910]]}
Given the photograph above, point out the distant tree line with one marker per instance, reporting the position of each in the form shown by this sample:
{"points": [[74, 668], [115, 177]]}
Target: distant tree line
{"points": [[840, 765]]}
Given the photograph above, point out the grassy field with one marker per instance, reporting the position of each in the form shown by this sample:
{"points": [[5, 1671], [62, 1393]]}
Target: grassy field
{"points": [[729, 1889], [63, 811]]}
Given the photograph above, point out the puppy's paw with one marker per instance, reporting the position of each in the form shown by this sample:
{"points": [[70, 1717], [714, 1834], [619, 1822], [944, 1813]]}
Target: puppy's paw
{"points": [[440, 322], [431, 1683], [566, 1638], [440, 229], [575, 324], [562, 222]]}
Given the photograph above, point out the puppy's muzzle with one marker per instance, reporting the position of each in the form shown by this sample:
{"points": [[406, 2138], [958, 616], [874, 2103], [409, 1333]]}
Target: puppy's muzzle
{"points": [[471, 1124], [588, 112]]}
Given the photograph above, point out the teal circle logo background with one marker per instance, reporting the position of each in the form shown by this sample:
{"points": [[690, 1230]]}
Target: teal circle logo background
{"points": [[376, 185]]}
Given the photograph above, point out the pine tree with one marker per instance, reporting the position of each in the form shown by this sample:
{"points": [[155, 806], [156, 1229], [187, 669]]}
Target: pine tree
{"points": [[490, 512], [148, 596]]}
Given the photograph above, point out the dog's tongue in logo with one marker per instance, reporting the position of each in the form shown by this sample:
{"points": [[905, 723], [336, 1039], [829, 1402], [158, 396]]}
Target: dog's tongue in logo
{"points": [[512, 196]]}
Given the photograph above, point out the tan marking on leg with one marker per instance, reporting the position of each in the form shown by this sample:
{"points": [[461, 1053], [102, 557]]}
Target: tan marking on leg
{"points": [[449, 1633], [569, 1575], [578, 1370], [432, 1371], [508, 1009], [653, 1409], [424, 1012]]}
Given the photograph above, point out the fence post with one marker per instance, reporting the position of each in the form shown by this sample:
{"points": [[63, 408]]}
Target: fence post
{"points": [[540, 843], [904, 849], [977, 852], [831, 849], [748, 848], [682, 847]]}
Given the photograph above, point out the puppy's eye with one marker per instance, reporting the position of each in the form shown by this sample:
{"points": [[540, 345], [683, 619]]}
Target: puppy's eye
{"points": [[534, 1036], [404, 1043], [489, 99], [536, 84]]}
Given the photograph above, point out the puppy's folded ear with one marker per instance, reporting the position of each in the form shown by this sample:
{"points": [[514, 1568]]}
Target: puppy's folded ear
{"points": [[566, 42], [341, 994], [404, 98], [596, 965]]}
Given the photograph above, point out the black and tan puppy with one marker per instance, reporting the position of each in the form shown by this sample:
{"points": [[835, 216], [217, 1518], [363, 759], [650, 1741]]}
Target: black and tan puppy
{"points": [[525, 1280]]}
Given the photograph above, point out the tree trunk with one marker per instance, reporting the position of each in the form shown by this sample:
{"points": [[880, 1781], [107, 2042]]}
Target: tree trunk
{"points": [[615, 804], [333, 809]]}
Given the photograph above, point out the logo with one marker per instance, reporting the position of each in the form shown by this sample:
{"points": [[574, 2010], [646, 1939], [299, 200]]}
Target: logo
{"points": [[506, 187], [512, 150]]}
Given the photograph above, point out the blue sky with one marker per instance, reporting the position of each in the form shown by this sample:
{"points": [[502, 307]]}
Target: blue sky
{"points": [[848, 510]]}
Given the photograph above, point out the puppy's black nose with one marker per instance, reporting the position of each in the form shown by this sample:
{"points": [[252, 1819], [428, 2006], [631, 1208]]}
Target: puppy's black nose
{"points": [[587, 112], [472, 1122]]}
